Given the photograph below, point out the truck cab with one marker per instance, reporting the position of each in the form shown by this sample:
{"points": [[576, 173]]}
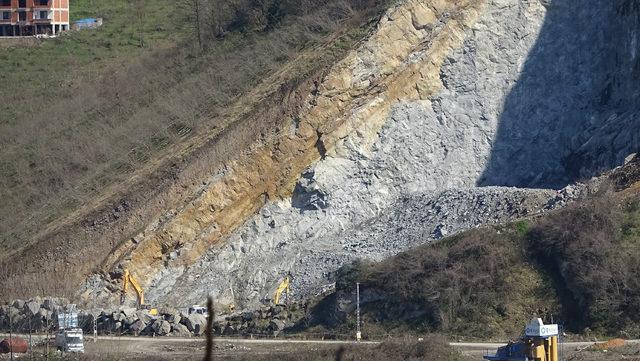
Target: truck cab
{"points": [[196, 309], [70, 340]]}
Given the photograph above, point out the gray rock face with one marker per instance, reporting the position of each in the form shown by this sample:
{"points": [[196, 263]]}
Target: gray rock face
{"points": [[574, 109], [415, 184], [261, 255], [539, 95]]}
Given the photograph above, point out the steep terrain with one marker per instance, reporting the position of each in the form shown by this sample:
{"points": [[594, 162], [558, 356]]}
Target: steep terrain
{"points": [[385, 144], [438, 133], [577, 265]]}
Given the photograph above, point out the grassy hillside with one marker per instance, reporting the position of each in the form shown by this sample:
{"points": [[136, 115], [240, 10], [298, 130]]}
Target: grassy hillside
{"points": [[57, 118], [95, 106], [577, 266]]}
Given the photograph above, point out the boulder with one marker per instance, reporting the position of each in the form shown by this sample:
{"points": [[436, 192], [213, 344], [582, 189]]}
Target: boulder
{"points": [[173, 318], [48, 304], [118, 316], [144, 316], [161, 327], [19, 304], [276, 326], [180, 330], [195, 323], [247, 316], [53, 304], [128, 311], [31, 308], [14, 314], [85, 321], [137, 327], [229, 330], [199, 329]]}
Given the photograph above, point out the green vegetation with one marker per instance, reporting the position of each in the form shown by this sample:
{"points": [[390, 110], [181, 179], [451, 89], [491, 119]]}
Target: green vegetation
{"points": [[45, 68], [592, 253], [92, 107], [579, 266], [479, 283]]}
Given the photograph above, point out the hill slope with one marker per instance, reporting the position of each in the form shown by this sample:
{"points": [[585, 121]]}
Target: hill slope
{"points": [[105, 160], [577, 266], [279, 157]]}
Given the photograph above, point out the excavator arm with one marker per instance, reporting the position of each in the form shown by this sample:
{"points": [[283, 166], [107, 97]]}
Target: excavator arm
{"points": [[128, 279], [283, 287]]}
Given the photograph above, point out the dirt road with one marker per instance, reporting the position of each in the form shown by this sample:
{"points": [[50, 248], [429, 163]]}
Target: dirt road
{"points": [[168, 348]]}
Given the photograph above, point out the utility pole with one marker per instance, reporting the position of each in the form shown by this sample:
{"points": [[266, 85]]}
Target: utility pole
{"points": [[30, 344], [93, 316], [358, 331], [47, 342], [11, 335]]}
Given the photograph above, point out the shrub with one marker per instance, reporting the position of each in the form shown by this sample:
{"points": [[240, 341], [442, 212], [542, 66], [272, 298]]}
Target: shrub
{"points": [[593, 255]]}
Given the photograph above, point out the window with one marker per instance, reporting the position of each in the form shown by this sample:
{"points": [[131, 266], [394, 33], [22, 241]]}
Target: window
{"points": [[43, 2], [22, 16], [44, 15], [6, 15], [5, 2], [22, 3]]}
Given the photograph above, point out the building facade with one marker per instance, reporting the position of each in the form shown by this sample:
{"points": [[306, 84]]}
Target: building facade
{"points": [[33, 17]]}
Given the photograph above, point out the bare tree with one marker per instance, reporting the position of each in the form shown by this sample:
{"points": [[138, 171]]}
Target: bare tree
{"points": [[141, 13]]}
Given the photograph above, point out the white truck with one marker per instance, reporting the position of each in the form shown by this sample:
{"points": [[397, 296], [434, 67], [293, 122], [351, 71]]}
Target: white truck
{"points": [[69, 337], [70, 340]]}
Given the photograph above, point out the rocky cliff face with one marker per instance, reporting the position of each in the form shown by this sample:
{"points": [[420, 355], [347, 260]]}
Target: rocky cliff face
{"points": [[389, 149], [572, 111]]}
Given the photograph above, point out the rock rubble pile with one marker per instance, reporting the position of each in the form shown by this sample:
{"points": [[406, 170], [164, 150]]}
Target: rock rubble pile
{"points": [[41, 315]]}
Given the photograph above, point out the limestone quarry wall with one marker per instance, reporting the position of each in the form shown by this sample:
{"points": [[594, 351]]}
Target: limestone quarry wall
{"points": [[389, 149]]}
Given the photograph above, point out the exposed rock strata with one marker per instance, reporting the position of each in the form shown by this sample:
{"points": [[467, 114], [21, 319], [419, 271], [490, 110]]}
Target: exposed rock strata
{"points": [[444, 95], [400, 60]]}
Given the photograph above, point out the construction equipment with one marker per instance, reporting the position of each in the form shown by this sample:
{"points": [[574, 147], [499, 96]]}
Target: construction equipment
{"points": [[198, 310], [70, 340], [69, 336], [539, 343], [283, 287], [129, 279]]}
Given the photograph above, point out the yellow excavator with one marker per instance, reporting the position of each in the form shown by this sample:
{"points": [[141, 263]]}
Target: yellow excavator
{"points": [[129, 279], [283, 287]]}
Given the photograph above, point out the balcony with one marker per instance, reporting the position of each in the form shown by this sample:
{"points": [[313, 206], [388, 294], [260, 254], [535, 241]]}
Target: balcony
{"points": [[42, 16], [42, 5]]}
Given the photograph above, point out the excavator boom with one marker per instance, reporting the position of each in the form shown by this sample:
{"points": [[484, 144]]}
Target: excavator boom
{"points": [[283, 287], [128, 279]]}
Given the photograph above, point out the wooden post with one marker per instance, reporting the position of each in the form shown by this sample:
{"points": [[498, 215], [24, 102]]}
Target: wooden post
{"points": [[209, 331]]}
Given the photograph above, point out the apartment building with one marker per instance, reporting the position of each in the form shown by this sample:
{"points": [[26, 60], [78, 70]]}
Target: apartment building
{"points": [[33, 17]]}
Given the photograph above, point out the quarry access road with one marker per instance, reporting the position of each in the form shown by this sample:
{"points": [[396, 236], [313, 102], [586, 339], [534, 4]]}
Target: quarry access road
{"points": [[460, 345]]}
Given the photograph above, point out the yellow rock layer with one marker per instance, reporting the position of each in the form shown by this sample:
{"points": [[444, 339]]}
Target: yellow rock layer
{"points": [[352, 100]]}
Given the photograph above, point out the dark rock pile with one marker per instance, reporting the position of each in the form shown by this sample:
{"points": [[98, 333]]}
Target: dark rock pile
{"points": [[39, 315]]}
